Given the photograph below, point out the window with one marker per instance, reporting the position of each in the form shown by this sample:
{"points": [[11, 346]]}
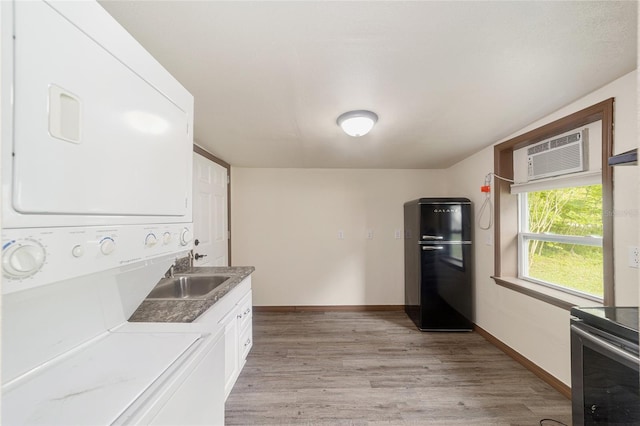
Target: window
{"points": [[560, 239], [508, 233]]}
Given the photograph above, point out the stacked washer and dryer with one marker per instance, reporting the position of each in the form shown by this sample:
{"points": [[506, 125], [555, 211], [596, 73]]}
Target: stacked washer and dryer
{"points": [[96, 205]]}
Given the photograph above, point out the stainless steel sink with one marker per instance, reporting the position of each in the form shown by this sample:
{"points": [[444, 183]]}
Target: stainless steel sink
{"points": [[187, 287]]}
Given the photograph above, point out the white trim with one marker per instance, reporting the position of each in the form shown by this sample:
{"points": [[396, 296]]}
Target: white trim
{"points": [[561, 293], [523, 223], [563, 289], [590, 240], [566, 181]]}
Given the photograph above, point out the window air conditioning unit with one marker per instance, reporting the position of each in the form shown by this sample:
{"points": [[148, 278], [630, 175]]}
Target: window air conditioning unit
{"points": [[558, 156]]}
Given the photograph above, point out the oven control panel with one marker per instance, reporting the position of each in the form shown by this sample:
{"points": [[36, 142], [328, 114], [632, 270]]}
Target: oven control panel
{"points": [[33, 257]]}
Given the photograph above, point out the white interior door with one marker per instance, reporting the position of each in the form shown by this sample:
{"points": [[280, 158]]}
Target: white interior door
{"points": [[210, 222]]}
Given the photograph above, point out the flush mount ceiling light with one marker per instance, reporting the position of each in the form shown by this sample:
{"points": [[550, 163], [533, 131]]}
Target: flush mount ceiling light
{"points": [[357, 123]]}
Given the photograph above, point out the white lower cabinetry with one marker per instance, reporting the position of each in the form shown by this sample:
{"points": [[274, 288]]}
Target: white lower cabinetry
{"points": [[244, 317], [238, 340], [234, 313], [231, 350], [197, 401], [245, 343]]}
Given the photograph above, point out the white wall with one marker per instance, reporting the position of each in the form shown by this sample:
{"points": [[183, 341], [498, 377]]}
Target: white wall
{"points": [[538, 330], [285, 222]]}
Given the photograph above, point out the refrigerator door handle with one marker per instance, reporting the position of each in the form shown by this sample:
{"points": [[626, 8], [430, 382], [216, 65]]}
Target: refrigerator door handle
{"points": [[430, 248], [432, 237]]}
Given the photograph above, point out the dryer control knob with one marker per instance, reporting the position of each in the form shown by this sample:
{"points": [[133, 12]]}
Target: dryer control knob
{"points": [[107, 246], [166, 238], [150, 241], [185, 237], [23, 258], [77, 251]]}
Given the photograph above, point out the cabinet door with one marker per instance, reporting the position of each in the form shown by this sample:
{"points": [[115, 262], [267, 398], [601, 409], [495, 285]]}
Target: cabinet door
{"points": [[246, 343], [245, 329], [199, 400], [231, 366], [244, 312]]}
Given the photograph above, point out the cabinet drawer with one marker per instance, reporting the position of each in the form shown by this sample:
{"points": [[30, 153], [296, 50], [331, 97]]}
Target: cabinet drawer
{"points": [[246, 343], [245, 312]]}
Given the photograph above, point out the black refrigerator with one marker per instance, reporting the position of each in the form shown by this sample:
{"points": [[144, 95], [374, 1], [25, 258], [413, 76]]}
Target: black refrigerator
{"points": [[438, 259]]}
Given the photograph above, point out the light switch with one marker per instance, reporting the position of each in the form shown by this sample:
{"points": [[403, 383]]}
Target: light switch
{"points": [[489, 240], [341, 234], [634, 257]]}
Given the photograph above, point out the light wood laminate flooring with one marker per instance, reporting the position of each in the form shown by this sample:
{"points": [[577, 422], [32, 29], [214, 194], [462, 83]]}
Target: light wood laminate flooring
{"points": [[376, 368]]}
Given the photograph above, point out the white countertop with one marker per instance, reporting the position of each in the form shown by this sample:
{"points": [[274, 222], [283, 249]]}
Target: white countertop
{"points": [[95, 383]]}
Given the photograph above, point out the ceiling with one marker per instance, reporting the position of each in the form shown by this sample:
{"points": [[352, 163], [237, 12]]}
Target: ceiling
{"points": [[446, 78]]}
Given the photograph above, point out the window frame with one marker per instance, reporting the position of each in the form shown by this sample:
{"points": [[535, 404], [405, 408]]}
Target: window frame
{"points": [[523, 252], [506, 205]]}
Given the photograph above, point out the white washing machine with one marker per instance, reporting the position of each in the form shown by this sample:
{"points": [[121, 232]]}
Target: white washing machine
{"points": [[96, 205]]}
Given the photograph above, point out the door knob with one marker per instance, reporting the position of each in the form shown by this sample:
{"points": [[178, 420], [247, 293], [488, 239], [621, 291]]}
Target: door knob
{"points": [[199, 256], [196, 242]]}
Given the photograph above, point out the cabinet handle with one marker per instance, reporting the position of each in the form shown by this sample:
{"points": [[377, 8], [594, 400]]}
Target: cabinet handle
{"points": [[239, 316], [247, 343], [247, 312]]}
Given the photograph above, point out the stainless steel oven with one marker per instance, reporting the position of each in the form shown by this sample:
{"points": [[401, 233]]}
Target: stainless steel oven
{"points": [[604, 366]]}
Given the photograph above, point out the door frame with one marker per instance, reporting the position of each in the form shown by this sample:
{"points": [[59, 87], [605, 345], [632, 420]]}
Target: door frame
{"points": [[206, 154]]}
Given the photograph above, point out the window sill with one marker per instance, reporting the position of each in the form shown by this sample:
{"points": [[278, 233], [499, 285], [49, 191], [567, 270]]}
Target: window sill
{"points": [[545, 294]]}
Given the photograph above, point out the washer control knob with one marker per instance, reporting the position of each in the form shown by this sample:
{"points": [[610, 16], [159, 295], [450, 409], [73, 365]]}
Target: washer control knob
{"points": [[23, 258], [107, 246], [77, 251], [185, 237], [150, 241], [166, 238]]}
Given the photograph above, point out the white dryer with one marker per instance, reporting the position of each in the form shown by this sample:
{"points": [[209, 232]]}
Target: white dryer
{"points": [[96, 205]]}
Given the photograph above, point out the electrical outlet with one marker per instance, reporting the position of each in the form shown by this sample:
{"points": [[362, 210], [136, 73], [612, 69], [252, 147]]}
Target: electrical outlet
{"points": [[489, 240], [370, 234], [634, 257], [398, 234]]}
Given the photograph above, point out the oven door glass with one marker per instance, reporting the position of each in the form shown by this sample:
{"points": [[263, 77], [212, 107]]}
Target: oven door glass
{"points": [[610, 390], [605, 380]]}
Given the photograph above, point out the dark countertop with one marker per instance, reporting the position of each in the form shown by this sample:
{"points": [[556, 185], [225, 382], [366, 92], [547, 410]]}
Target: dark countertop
{"points": [[621, 321], [187, 310]]}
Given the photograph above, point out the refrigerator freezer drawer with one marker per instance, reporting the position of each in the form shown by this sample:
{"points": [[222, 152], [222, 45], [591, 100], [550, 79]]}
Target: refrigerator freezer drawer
{"points": [[445, 222]]}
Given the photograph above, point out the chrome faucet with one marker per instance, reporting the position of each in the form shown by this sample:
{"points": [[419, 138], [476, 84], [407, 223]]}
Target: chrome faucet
{"points": [[180, 265], [169, 273]]}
